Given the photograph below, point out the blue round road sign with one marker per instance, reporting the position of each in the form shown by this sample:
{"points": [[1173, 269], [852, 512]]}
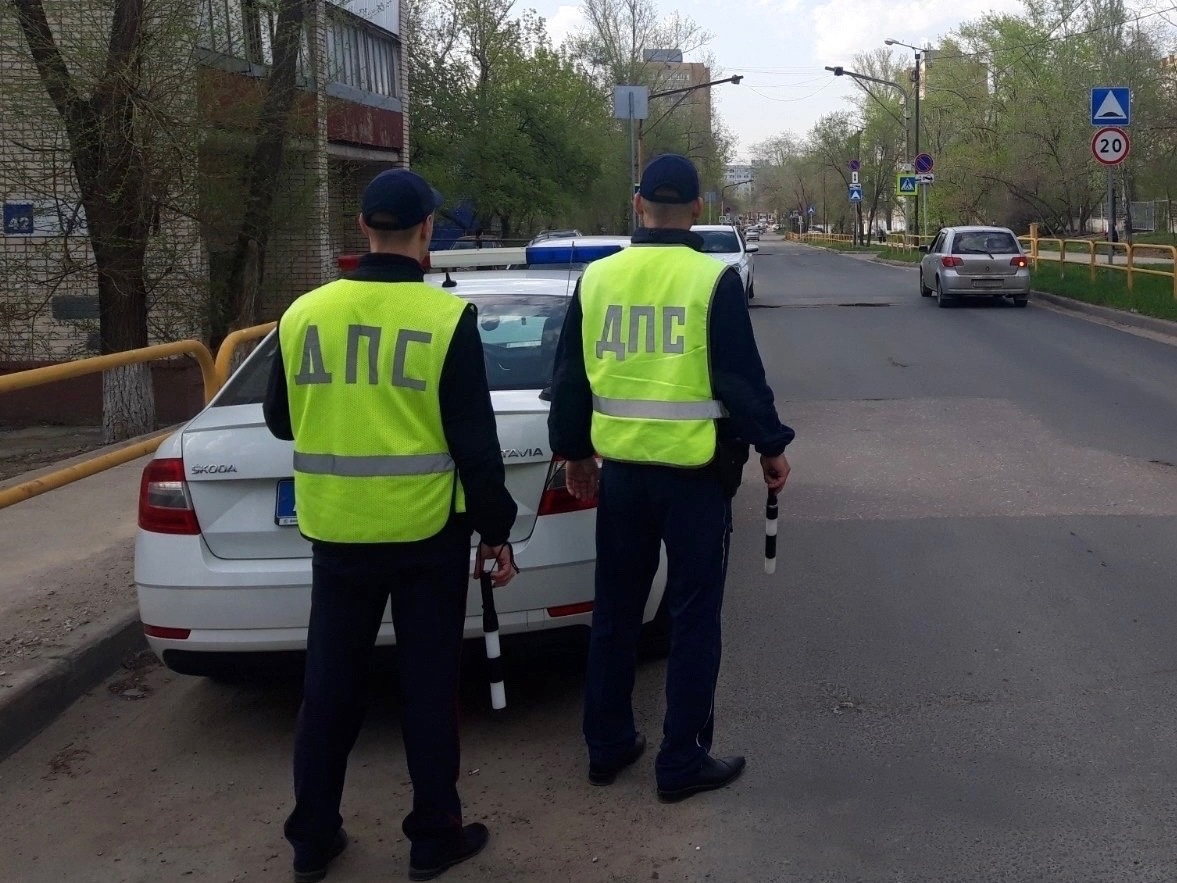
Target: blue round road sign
{"points": [[923, 163], [855, 165]]}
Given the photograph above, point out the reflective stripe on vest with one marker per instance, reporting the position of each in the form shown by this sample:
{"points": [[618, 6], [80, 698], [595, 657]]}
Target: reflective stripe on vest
{"points": [[364, 467], [644, 336], [710, 410], [363, 364]]}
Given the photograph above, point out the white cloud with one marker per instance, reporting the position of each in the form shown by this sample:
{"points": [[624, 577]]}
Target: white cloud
{"points": [[563, 22]]}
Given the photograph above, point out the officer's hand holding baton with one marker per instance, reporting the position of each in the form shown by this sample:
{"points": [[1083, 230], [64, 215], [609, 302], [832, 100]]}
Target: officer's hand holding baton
{"points": [[776, 473], [503, 571]]}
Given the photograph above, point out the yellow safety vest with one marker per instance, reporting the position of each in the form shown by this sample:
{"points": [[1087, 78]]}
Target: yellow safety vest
{"points": [[646, 313], [363, 364]]}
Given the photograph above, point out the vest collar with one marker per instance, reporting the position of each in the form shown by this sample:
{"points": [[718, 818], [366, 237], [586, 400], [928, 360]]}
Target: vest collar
{"points": [[664, 236], [376, 267]]}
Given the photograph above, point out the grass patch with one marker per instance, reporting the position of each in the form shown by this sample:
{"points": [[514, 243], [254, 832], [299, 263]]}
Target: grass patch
{"points": [[1155, 238], [1151, 295], [907, 255]]}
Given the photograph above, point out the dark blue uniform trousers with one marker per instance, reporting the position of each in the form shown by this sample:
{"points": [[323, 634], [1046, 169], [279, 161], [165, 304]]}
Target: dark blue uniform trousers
{"points": [[427, 584], [640, 507]]}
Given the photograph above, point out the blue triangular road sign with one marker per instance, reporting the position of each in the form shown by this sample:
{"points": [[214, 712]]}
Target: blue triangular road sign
{"points": [[1111, 106]]}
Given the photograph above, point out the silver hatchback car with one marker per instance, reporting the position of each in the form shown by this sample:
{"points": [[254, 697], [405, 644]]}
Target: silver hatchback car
{"points": [[973, 262]]}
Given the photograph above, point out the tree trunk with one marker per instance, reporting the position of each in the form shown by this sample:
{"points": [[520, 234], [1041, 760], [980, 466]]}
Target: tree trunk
{"points": [[235, 298], [128, 401]]}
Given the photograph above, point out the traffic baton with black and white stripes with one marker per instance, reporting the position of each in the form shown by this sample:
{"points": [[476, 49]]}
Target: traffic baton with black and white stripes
{"points": [[770, 523], [490, 631]]}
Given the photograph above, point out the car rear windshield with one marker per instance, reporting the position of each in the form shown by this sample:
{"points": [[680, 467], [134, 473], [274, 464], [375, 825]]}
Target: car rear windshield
{"points": [[519, 336], [985, 242], [719, 241]]}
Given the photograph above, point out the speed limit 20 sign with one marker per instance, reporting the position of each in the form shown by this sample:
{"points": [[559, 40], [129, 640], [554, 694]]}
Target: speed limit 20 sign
{"points": [[1110, 145]]}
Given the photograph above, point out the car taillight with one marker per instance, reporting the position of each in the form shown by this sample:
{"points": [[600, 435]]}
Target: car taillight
{"points": [[556, 498], [164, 504], [951, 261], [172, 634], [1019, 261]]}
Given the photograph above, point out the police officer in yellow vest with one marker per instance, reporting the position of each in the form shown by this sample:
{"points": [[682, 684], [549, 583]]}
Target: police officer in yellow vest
{"points": [[379, 380], [658, 373]]}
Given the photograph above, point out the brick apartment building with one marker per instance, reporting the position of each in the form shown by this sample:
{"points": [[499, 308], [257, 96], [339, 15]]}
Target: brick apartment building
{"points": [[350, 124]]}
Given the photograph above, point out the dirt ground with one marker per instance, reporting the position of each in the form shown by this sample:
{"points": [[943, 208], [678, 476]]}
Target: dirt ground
{"points": [[35, 447]]}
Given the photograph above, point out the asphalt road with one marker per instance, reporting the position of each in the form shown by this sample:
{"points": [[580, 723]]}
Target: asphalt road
{"points": [[963, 669]]}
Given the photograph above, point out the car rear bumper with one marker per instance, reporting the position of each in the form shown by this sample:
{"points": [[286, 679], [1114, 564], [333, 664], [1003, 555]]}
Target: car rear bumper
{"points": [[263, 605], [953, 283]]}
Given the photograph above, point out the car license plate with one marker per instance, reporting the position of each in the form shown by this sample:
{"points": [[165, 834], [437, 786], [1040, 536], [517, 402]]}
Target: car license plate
{"points": [[285, 514], [987, 283]]}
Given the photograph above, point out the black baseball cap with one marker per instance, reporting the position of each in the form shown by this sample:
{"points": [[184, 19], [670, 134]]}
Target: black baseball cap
{"points": [[670, 178], [404, 196]]}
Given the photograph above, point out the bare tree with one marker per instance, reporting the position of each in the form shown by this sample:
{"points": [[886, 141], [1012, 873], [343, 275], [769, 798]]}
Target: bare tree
{"points": [[122, 78], [235, 298]]}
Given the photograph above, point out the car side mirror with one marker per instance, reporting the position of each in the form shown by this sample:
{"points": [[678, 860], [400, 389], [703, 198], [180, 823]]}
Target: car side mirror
{"points": [[925, 248], [752, 247]]}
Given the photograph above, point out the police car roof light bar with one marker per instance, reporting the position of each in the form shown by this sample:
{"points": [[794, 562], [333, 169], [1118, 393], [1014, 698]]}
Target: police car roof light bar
{"points": [[469, 258], [548, 255]]}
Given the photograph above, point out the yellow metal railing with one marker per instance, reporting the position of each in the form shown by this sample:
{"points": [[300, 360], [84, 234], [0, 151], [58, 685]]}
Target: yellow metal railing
{"points": [[50, 373], [1121, 256], [229, 346], [214, 373], [894, 240]]}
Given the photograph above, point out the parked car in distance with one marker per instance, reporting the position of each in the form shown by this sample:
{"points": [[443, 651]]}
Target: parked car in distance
{"points": [[554, 234], [975, 261], [724, 241], [474, 242]]}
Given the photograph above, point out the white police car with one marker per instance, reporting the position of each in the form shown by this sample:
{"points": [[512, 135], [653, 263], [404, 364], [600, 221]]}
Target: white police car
{"points": [[220, 567], [723, 241]]}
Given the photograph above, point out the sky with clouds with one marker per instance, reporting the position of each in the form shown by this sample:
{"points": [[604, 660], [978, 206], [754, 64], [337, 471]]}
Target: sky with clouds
{"points": [[782, 46]]}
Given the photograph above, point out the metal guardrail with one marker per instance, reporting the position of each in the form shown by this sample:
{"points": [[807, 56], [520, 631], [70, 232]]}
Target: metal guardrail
{"points": [[214, 372], [1131, 253], [1133, 259], [228, 350], [50, 373], [901, 240]]}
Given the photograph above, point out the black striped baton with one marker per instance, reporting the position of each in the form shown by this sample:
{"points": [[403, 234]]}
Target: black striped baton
{"points": [[770, 522], [490, 631]]}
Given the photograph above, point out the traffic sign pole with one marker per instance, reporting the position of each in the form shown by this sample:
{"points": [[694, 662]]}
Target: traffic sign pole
{"points": [[1111, 107]]}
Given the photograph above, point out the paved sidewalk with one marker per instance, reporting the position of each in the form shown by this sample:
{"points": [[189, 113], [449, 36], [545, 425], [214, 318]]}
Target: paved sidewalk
{"points": [[68, 612], [1120, 260]]}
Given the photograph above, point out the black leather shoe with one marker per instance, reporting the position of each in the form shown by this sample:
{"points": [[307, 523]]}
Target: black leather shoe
{"points": [[466, 845], [312, 872], [716, 772], [599, 775]]}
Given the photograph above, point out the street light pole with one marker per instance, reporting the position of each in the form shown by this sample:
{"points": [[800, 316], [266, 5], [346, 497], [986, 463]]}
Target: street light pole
{"points": [[916, 79], [734, 79], [726, 187], [858, 204], [840, 71]]}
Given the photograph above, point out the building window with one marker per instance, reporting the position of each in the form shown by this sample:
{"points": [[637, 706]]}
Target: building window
{"points": [[246, 30], [362, 57]]}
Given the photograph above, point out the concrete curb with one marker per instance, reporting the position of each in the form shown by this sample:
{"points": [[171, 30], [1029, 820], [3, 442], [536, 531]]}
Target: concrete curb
{"points": [[1109, 314], [42, 693]]}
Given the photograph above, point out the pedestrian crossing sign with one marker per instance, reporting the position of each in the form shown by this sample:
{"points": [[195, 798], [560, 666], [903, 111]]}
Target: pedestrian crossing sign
{"points": [[905, 185]]}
